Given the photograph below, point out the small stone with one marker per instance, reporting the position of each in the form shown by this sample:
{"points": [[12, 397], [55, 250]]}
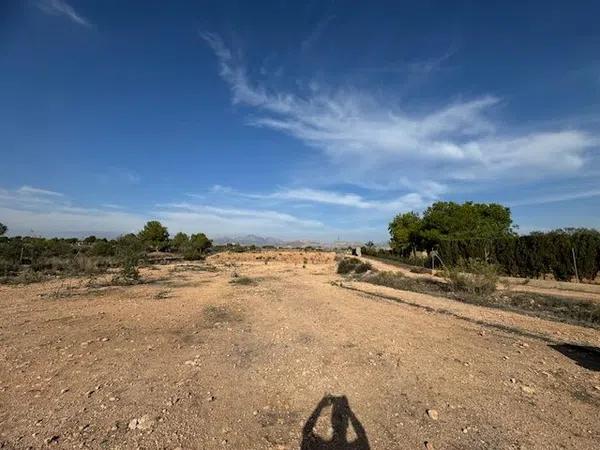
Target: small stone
{"points": [[210, 398], [51, 440], [133, 424], [64, 390], [597, 388], [433, 414], [465, 430], [429, 445], [528, 390], [145, 422], [513, 380], [105, 339]]}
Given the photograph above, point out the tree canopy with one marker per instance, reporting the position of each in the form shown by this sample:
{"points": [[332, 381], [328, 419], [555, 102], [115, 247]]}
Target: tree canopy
{"points": [[154, 235], [3, 229], [449, 220]]}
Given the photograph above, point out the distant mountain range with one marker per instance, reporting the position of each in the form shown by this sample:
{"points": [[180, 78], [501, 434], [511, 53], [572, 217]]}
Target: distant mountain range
{"points": [[261, 241]]}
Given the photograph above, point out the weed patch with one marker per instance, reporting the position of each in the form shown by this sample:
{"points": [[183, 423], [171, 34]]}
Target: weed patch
{"points": [[353, 265]]}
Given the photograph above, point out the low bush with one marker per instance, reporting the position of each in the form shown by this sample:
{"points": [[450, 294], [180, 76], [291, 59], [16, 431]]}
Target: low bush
{"points": [[474, 277], [349, 265], [397, 280]]}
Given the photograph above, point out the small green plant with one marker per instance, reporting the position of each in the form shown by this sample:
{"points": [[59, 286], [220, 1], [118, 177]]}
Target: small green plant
{"points": [[475, 277]]}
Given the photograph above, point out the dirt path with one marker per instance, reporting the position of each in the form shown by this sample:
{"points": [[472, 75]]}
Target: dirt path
{"points": [[194, 361]]}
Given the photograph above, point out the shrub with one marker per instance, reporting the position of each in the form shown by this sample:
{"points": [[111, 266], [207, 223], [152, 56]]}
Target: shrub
{"points": [[475, 277], [349, 265]]}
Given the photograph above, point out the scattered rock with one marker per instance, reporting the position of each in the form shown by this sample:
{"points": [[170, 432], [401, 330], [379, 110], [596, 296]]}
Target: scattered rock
{"points": [[51, 440], [210, 398], [105, 339], [528, 390], [513, 380], [429, 445], [433, 414], [143, 423]]}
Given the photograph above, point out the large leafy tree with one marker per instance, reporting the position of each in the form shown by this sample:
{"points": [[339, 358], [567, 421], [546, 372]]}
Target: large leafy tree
{"points": [[3, 229], [405, 232], [154, 235], [450, 221]]}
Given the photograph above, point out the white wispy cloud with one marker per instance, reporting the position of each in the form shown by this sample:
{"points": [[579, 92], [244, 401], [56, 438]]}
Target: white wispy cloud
{"points": [[366, 138], [29, 190], [52, 213], [428, 192], [248, 217], [555, 198], [62, 8]]}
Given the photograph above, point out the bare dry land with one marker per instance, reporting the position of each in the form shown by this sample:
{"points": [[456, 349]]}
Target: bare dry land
{"points": [[238, 351]]}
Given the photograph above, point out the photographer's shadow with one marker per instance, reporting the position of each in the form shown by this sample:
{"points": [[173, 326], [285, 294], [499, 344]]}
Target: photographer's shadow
{"points": [[341, 417]]}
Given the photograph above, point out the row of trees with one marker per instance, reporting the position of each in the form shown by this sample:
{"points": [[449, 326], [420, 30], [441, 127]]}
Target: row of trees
{"points": [[460, 232], [56, 255], [156, 237]]}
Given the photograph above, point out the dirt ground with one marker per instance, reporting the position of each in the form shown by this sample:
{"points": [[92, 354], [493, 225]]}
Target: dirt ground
{"points": [[192, 360]]}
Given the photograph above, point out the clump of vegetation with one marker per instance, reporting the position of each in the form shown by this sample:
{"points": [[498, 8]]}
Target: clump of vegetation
{"points": [[353, 265], [582, 312], [243, 280], [473, 277], [31, 259], [397, 280]]}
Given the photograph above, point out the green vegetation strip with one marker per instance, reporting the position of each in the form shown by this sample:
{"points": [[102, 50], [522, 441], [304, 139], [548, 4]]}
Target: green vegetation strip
{"points": [[579, 312]]}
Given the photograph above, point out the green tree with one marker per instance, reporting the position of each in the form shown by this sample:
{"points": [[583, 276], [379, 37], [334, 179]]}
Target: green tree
{"points": [[405, 232], [197, 245], [179, 241], [154, 235], [3, 229], [450, 221]]}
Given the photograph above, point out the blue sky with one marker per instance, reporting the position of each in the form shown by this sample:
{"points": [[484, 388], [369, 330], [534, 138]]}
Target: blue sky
{"points": [[318, 119]]}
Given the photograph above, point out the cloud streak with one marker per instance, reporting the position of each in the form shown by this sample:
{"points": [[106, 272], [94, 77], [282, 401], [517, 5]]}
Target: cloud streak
{"points": [[365, 137], [62, 8]]}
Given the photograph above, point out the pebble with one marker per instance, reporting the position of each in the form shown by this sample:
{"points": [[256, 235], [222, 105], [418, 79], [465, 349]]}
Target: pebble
{"points": [[429, 445], [527, 389], [51, 440], [143, 423], [433, 414], [513, 380]]}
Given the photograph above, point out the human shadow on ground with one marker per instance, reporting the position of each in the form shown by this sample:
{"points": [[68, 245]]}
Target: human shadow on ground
{"points": [[341, 417], [587, 357]]}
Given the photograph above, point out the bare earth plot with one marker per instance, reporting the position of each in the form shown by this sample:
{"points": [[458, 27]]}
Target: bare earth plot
{"points": [[192, 360]]}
